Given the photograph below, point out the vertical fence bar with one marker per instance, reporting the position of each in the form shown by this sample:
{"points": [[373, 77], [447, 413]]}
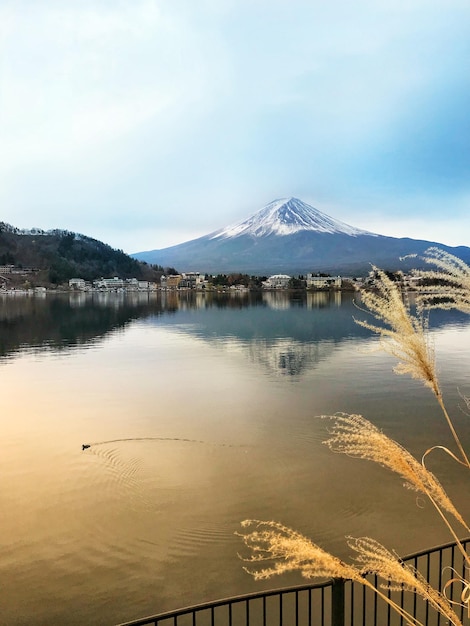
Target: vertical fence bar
{"points": [[402, 603], [323, 607], [439, 582], [376, 599], [363, 605], [464, 577], [309, 623], [337, 602], [351, 612], [452, 560], [428, 578], [415, 595]]}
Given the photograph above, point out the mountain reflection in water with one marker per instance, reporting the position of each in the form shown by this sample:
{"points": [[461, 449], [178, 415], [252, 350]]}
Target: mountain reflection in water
{"points": [[286, 332]]}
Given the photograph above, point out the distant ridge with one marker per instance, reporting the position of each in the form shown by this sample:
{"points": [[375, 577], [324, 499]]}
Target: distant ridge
{"points": [[58, 255], [290, 236]]}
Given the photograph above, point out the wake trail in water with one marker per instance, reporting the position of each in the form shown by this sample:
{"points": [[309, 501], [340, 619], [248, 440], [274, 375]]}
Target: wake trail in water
{"points": [[101, 443], [85, 446]]}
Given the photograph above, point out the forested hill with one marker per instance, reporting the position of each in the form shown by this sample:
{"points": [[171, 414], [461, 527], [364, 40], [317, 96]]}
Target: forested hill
{"points": [[61, 255]]}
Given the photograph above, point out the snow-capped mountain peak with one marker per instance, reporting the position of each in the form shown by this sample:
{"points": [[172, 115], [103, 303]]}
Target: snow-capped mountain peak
{"points": [[287, 216], [290, 237]]}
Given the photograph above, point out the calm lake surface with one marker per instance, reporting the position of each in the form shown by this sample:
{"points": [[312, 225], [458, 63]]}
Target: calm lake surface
{"points": [[200, 412]]}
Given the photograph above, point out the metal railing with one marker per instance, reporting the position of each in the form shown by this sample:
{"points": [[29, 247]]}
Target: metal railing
{"points": [[335, 602]]}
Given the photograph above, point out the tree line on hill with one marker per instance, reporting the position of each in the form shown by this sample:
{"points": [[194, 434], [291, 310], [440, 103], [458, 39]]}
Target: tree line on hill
{"points": [[61, 255]]}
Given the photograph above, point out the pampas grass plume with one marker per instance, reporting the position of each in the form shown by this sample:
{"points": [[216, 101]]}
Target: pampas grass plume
{"points": [[288, 550], [450, 282], [403, 335], [356, 436]]}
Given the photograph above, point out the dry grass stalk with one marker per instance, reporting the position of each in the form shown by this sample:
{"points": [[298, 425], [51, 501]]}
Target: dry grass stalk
{"points": [[404, 335], [450, 282], [287, 550], [464, 600], [357, 437]]}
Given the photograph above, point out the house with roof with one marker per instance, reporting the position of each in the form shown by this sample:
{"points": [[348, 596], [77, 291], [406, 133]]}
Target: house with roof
{"points": [[277, 281], [324, 282]]}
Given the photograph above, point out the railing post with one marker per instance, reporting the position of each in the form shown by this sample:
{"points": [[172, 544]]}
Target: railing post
{"points": [[337, 602]]}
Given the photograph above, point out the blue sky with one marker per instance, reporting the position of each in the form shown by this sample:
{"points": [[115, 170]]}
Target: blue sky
{"points": [[146, 123]]}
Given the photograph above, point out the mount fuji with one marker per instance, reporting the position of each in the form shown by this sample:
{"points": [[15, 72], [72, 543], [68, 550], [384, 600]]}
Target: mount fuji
{"points": [[291, 237], [287, 216]]}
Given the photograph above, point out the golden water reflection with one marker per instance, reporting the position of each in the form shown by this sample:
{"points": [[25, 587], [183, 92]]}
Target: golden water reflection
{"points": [[197, 417]]}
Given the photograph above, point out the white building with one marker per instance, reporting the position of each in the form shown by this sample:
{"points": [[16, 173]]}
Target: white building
{"points": [[171, 281], [277, 281], [77, 283], [192, 280], [323, 282], [109, 283]]}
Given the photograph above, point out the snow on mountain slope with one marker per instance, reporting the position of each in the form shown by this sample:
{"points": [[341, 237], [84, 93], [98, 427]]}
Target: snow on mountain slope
{"points": [[287, 216]]}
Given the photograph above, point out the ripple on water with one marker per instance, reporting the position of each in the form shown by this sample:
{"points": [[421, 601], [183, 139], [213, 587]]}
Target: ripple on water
{"points": [[151, 472], [190, 541]]}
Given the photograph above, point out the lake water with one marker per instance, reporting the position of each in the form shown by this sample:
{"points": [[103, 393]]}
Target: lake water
{"points": [[199, 412]]}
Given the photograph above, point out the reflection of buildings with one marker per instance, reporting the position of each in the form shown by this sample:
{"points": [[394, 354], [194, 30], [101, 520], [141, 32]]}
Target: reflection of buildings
{"points": [[281, 300], [322, 299], [140, 297], [277, 300], [109, 299], [200, 300], [77, 299], [174, 300], [122, 298]]}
